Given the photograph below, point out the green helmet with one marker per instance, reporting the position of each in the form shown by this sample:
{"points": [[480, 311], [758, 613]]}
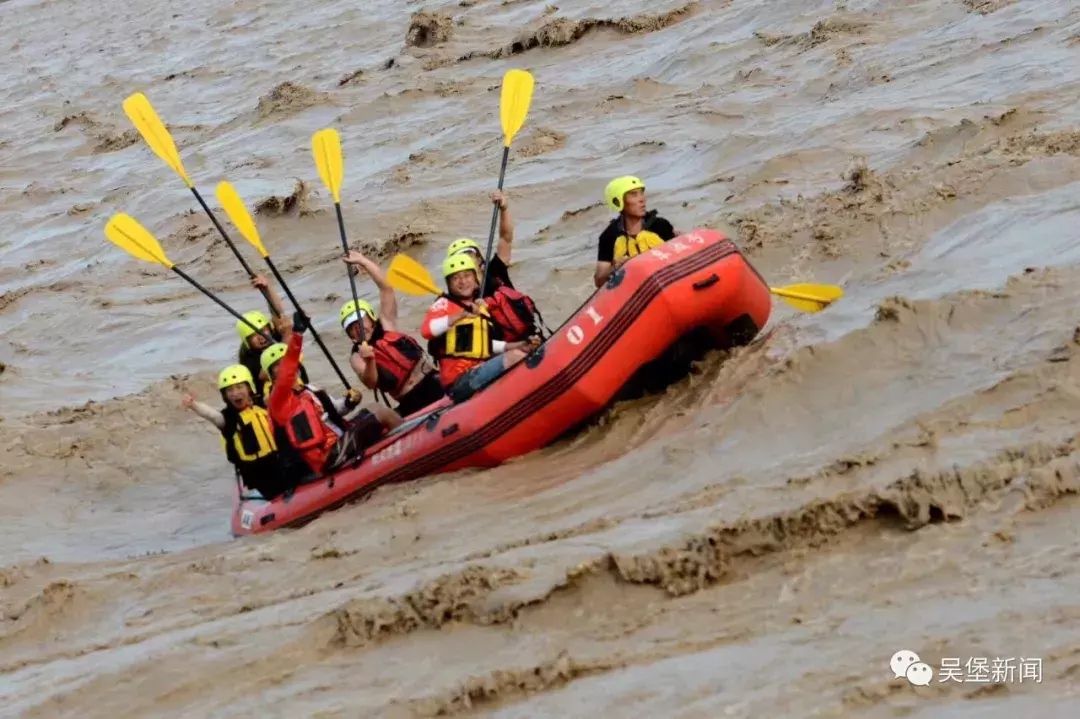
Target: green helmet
{"points": [[461, 245], [350, 314], [615, 192], [255, 318], [457, 263], [272, 354], [235, 374]]}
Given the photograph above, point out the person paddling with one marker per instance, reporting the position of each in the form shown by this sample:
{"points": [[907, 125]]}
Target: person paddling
{"points": [[387, 359], [634, 231], [312, 423], [247, 435], [462, 337]]}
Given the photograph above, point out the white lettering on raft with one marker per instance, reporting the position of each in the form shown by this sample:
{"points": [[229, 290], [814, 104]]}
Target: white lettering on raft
{"points": [[575, 335], [246, 519]]}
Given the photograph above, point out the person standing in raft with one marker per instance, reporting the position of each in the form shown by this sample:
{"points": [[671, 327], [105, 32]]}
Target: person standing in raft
{"points": [[247, 435], [311, 422], [515, 313], [252, 342], [388, 360], [634, 231], [460, 332]]}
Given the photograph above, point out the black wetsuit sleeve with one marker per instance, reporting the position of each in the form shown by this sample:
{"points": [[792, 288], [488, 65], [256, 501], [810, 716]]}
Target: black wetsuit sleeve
{"points": [[498, 275]]}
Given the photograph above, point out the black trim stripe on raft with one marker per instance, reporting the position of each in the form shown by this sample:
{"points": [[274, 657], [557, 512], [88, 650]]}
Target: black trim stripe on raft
{"points": [[554, 387]]}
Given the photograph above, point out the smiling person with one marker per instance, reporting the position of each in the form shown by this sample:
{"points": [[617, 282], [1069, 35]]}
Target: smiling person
{"points": [[462, 336], [247, 435], [389, 360], [635, 230]]}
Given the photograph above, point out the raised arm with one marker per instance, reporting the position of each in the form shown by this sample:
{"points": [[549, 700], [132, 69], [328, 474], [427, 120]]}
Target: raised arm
{"points": [[506, 226], [388, 310], [260, 282]]}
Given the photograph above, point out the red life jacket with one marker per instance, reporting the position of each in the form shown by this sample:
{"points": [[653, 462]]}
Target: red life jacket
{"points": [[396, 356], [305, 429], [514, 313]]}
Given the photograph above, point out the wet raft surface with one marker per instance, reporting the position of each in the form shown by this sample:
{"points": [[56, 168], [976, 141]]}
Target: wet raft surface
{"points": [[898, 472]]}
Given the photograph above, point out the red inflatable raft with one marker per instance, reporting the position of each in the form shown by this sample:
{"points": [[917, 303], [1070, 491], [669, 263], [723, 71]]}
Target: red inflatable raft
{"points": [[698, 280]]}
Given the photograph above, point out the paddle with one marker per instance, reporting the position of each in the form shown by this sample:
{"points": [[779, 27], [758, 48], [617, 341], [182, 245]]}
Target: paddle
{"points": [[127, 234], [145, 119], [237, 212], [807, 297], [409, 276], [326, 147], [517, 90]]}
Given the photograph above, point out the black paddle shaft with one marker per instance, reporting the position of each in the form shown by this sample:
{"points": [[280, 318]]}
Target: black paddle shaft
{"points": [[348, 269], [314, 334], [228, 240], [494, 220], [216, 299]]}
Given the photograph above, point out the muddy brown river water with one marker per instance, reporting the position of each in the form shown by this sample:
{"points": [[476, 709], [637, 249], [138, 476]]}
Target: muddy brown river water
{"points": [[898, 472]]}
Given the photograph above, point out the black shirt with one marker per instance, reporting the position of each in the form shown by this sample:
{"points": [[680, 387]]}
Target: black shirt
{"points": [[498, 275], [658, 225]]}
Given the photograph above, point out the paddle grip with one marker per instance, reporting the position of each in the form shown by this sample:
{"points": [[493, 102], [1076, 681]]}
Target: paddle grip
{"points": [[494, 220], [314, 333], [228, 240], [348, 269], [216, 299]]}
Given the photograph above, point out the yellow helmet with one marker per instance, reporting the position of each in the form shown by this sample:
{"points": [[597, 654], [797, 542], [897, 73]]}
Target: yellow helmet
{"points": [[256, 318], [349, 313], [616, 190], [272, 354], [461, 245], [457, 263], [235, 374]]}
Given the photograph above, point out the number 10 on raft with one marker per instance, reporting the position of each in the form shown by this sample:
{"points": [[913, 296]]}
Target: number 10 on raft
{"points": [[575, 335]]}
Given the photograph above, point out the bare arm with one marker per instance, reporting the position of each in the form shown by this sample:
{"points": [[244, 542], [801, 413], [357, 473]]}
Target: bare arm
{"points": [[388, 310], [366, 370], [506, 227], [205, 411], [260, 282]]}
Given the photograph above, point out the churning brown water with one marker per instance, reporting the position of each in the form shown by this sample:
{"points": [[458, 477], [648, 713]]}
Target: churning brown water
{"points": [[898, 472]]}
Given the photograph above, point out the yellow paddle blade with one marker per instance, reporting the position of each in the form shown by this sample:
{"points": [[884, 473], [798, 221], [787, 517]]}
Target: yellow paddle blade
{"points": [[517, 90], [409, 276], [808, 297], [146, 121], [326, 146], [127, 234], [234, 208]]}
